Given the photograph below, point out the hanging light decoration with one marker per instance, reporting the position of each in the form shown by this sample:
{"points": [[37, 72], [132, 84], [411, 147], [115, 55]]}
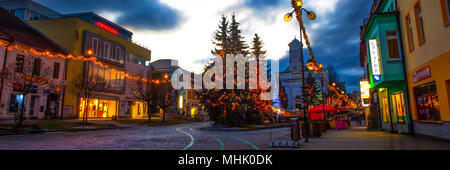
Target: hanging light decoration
{"points": [[298, 8], [93, 60]]}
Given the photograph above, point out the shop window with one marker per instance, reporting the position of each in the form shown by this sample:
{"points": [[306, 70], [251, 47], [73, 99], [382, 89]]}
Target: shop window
{"points": [[98, 108], [139, 110], [392, 41], [56, 68], [427, 103], [399, 107], [20, 60], [448, 90], [419, 22], [15, 103], [409, 33], [448, 11], [386, 112]]}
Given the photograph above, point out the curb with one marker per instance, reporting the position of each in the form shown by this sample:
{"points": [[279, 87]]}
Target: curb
{"points": [[52, 131]]}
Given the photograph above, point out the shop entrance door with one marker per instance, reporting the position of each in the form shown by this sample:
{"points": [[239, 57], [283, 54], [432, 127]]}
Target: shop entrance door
{"points": [[52, 106]]}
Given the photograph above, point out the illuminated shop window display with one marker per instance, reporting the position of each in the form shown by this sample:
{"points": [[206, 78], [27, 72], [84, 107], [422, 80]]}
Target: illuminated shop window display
{"points": [[193, 112], [139, 110], [427, 102], [98, 108]]}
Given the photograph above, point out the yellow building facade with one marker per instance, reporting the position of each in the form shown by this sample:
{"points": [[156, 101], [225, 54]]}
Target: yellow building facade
{"points": [[71, 33], [426, 37]]}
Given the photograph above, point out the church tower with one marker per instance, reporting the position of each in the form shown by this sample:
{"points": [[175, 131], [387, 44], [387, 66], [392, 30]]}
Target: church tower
{"points": [[295, 58]]}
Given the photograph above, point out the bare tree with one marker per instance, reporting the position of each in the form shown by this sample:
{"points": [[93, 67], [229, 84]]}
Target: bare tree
{"points": [[92, 86], [27, 75], [143, 91], [157, 92]]}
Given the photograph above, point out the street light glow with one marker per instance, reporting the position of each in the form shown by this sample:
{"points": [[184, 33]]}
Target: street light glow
{"points": [[288, 17], [181, 102], [299, 3]]}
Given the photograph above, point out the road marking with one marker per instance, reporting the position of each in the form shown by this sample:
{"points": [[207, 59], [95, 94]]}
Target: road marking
{"points": [[222, 145], [195, 132], [192, 139], [247, 142]]}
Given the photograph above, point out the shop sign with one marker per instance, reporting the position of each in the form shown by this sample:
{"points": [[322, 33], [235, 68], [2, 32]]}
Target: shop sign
{"points": [[107, 28], [422, 74], [19, 87], [68, 110], [365, 92], [375, 60], [34, 79]]}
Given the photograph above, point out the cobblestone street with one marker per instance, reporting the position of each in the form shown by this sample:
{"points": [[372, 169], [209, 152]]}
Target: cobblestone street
{"points": [[190, 137]]}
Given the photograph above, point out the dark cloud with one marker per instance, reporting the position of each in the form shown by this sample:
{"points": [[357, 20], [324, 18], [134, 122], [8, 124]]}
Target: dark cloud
{"points": [[337, 43], [262, 4], [139, 14]]}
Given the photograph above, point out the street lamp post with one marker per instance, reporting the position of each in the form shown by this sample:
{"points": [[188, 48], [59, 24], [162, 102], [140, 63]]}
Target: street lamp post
{"points": [[298, 9]]}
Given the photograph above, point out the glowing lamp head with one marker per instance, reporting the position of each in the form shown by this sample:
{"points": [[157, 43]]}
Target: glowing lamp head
{"points": [[157, 82], [288, 17], [334, 84], [299, 3], [343, 92], [312, 15], [181, 102], [166, 76], [310, 66], [90, 52]]}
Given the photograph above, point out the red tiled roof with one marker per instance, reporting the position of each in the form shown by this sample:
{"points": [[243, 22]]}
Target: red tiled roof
{"points": [[22, 33]]}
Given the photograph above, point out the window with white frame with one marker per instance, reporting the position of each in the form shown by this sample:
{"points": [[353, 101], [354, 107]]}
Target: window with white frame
{"points": [[448, 10], [393, 45], [118, 53], [94, 46], [107, 50], [409, 33], [419, 23]]}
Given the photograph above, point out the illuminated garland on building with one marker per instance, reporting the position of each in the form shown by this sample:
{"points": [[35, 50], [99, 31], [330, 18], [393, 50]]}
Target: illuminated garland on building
{"points": [[28, 50]]}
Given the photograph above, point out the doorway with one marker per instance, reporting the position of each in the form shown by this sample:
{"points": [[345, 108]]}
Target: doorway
{"points": [[52, 106]]}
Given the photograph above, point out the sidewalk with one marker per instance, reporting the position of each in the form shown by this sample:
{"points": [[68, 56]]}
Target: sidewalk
{"points": [[359, 138]]}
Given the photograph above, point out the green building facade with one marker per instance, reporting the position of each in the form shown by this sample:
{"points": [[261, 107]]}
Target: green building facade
{"points": [[385, 68]]}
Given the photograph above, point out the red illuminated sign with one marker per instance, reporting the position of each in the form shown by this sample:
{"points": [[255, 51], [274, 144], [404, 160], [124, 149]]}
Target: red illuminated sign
{"points": [[107, 28]]}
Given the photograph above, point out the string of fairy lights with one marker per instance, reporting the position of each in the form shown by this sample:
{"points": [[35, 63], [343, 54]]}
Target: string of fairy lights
{"points": [[28, 50], [314, 65]]}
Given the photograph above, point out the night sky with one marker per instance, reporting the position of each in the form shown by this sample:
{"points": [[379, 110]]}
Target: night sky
{"points": [[182, 29]]}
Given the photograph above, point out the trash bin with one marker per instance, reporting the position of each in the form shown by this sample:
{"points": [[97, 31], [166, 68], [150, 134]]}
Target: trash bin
{"points": [[295, 131], [324, 126], [313, 128]]}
